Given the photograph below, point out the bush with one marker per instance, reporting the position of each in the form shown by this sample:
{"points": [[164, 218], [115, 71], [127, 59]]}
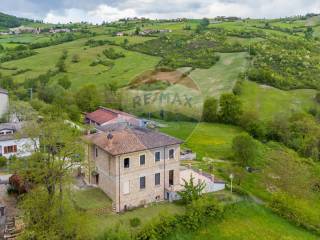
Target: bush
{"points": [[113, 54], [197, 214], [135, 222], [230, 109], [245, 149], [237, 89], [3, 161], [295, 212], [318, 97], [210, 110]]}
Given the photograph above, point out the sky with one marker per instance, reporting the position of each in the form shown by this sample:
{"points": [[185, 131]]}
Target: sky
{"points": [[97, 11]]}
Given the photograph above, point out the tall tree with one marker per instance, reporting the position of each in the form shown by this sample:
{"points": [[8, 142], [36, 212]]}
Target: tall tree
{"points": [[88, 98], [244, 149], [230, 108], [210, 110]]}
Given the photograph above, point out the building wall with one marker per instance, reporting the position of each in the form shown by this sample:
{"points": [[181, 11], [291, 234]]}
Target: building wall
{"points": [[115, 180], [4, 103], [25, 147]]}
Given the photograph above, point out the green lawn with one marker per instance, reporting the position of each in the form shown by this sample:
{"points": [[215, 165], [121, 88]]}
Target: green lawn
{"points": [[268, 101], [248, 221], [99, 215], [91, 199], [221, 77], [124, 70], [206, 139]]}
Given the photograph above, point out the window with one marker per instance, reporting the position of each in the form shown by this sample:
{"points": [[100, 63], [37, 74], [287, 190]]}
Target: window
{"points": [[142, 159], [126, 187], [142, 182], [157, 156], [97, 150], [126, 162], [10, 149], [171, 176], [157, 179], [171, 153]]}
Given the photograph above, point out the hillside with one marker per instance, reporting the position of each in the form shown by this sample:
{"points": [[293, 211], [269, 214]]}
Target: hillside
{"points": [[9, 21], [244, 94]]}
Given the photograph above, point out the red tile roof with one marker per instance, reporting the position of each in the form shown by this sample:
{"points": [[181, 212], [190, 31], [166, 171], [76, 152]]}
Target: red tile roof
{"points": [[130, 139], [104, 115]]}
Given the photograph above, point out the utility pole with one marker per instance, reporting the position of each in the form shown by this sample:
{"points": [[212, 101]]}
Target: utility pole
{"points": [[31, 93], [231, 179]]}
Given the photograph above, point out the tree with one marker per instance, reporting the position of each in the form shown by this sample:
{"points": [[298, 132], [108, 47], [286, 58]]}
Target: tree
{"points": [[230, 108], [253, 125], [60, 150], [6, 82], [191, 191], [88, 98], [64, 82], [317, 97], [75, 58], [210, 110], [309, 33], [244, 149], [137, 30], [204, 23]]}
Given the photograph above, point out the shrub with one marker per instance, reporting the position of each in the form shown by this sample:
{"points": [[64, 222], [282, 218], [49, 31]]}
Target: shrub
{"points": [[230, 108], [237, 89], [135, 222], [245, 149], [210, 110], [318, 97], [113, 54], [196, 215], [3, 161]]}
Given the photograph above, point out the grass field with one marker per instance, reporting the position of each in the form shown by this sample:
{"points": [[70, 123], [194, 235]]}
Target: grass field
{"points": [[268, 101], [81, 73], [100, 217], [206, 139], [221, 77], [248, 221]]}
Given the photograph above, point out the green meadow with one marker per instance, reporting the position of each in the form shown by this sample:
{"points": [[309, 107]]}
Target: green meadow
{"points": [[247, 221], [81, 73], [268, 101]]}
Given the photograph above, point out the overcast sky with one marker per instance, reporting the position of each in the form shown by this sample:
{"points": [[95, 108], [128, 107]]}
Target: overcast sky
{"points": [[96, 11]]}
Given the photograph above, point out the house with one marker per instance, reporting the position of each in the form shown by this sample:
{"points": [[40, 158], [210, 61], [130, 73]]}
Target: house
{"points": [[119, 34], [106, 116], [12, 144], [23, 29], [211, 183], [134, 166], [59, 30], [4, 102]]}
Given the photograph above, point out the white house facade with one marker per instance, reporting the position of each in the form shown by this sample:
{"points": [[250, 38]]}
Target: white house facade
{"points": [[12, 144], [4, 102]]}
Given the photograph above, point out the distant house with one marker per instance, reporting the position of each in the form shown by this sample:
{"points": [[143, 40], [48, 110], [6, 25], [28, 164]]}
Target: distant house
{"points": [[23, 29], [134, 166], [104, 116], [154, 31], [119, 34], [4, 102], [59, 30], [13, 144]]}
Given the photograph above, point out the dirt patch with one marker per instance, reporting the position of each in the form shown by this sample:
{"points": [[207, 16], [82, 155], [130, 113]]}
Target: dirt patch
{"points": [[171, 77]]}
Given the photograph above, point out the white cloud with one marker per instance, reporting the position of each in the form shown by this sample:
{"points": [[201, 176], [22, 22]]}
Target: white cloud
{"points": [[97, 11], [101, 13]]}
